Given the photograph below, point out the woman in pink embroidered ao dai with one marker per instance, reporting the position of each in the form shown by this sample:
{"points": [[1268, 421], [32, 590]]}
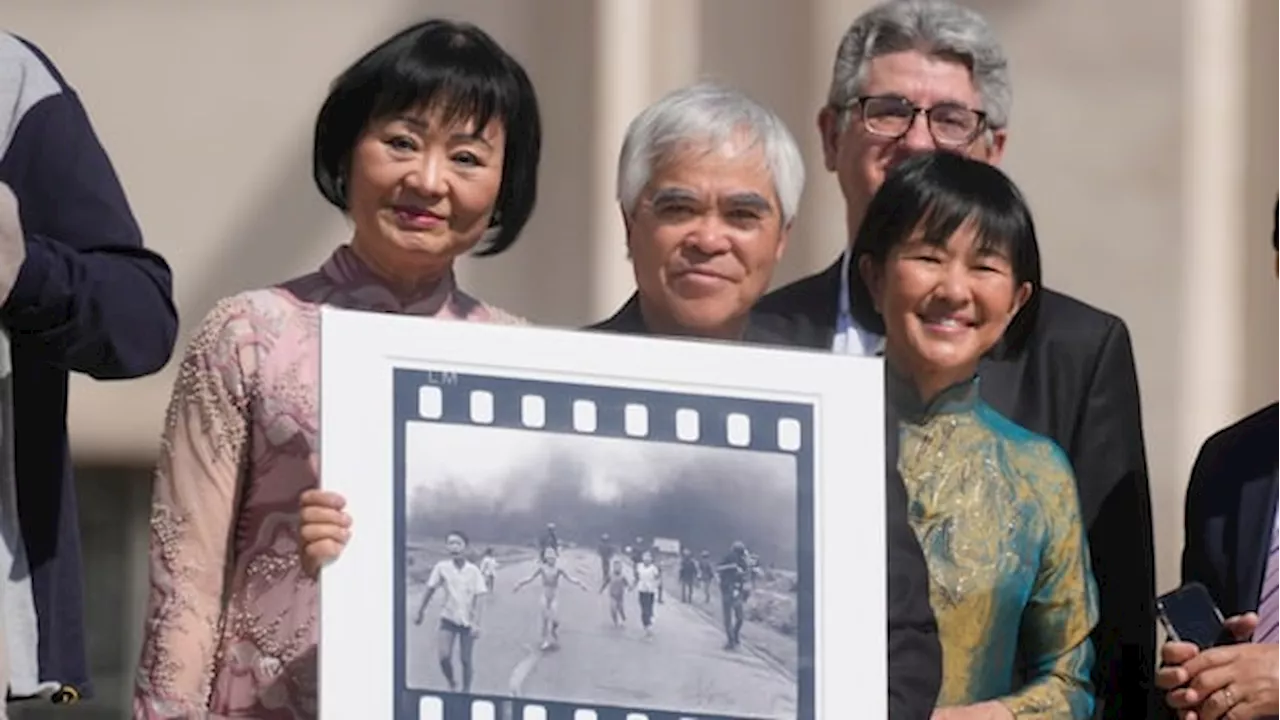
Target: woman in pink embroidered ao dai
{"points": [[430, 144]]}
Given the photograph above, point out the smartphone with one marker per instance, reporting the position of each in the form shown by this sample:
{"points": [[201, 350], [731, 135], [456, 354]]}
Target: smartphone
{"points": [[1190, 615]]}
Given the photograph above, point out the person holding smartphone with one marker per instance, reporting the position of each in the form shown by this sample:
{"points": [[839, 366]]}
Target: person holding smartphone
{"points": [[1231, 550]]}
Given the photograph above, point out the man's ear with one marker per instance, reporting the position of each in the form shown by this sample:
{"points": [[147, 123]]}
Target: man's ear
{"points": [[995, 146], [829, 133], [626, 227], [873, 278]]}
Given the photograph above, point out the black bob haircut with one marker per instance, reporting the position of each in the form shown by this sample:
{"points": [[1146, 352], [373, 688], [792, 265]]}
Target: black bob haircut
{"points": [[935, 194], [456, 69]]}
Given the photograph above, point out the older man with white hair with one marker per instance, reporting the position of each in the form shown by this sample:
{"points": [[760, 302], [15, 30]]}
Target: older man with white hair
{"points": [[914, 76], [709, 183]]}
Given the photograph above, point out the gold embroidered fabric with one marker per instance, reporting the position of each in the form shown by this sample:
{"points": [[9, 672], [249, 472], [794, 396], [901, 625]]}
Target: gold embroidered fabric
{"points": [[996, 511]]}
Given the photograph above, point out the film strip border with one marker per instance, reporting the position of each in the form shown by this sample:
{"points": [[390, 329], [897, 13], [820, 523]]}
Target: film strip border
{"points": [[610, 412], [432, 707], [551, 406]]}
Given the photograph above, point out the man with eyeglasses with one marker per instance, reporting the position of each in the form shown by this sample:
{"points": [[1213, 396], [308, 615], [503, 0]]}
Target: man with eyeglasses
{"points": [[918, 75]]}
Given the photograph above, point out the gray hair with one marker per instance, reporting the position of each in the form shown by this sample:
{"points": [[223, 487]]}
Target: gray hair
{"points": [[935, 27], [708, 115]]}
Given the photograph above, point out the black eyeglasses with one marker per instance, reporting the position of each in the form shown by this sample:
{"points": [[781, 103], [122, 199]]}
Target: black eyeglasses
{"points": [[891, 116]]}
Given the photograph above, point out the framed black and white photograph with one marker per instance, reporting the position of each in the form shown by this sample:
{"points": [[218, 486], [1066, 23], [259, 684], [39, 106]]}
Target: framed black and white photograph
{"points": [[556, 524]]}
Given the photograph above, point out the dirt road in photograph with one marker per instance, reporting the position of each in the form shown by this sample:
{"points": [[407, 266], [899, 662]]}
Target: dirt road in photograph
{"points": [[681, 666]]}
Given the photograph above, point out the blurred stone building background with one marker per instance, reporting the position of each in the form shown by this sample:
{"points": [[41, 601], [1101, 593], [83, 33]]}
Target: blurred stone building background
{"points": [[1144, 133]]}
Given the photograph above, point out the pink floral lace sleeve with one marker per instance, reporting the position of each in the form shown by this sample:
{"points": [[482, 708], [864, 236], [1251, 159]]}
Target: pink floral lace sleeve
{"points": [[193, 515], [231, 626]]}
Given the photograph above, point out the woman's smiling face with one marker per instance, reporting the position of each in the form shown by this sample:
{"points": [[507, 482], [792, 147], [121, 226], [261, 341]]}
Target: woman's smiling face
{"points": [[943, 306]]}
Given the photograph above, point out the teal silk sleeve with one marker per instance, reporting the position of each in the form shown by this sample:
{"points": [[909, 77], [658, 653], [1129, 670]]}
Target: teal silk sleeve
{"points": [[1063, 606]]}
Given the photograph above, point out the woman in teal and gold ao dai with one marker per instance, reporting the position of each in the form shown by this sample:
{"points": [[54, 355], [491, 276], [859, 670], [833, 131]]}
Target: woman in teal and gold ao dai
{"points": [[946, 263]]}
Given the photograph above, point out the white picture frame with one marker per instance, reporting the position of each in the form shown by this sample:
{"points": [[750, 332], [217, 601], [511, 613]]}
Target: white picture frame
{"points": [[426, 425]]}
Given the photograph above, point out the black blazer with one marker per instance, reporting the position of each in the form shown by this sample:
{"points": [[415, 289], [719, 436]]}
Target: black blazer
{"points": [[628, 321], [1231, 505], [1073, 380], [915, 656]]}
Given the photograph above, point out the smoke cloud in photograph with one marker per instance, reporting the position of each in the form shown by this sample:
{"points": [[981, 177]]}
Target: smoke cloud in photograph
{"points": [[505, 485]]}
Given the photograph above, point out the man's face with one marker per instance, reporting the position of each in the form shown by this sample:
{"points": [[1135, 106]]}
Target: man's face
{"points": [[704, 239], [861, 159]]}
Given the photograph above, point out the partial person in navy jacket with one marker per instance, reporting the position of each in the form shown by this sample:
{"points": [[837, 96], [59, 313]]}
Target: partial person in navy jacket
{"points": [[1230, 547], [1230, 526], [78, 293]]}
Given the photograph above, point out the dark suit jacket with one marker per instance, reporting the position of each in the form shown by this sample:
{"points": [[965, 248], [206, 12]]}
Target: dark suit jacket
{"points": [[1231, 504], [915, 657], [1074, 381]]}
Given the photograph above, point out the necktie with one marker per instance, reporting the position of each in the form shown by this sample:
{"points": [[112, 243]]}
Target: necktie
{"points": [[1268, 615]]}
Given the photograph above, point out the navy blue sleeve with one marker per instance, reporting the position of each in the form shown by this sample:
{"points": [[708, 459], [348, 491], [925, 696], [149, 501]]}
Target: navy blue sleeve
{"points": [[89, 297]]}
